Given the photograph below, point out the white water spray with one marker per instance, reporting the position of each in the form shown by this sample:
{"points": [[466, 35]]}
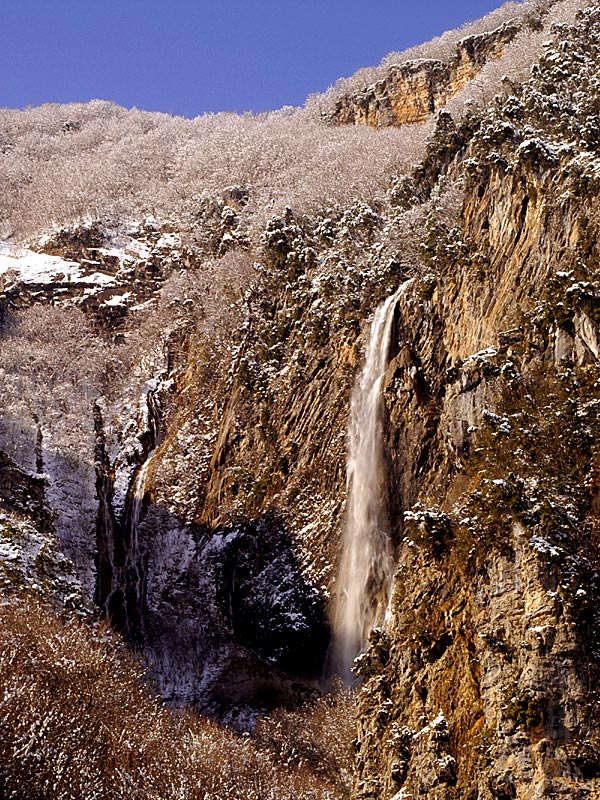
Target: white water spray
{"points": [[137, 496], [366, 563], [150, 414]]}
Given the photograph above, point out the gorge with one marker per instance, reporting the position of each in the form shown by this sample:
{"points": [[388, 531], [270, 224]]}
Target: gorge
{"points": [[327, 407]]}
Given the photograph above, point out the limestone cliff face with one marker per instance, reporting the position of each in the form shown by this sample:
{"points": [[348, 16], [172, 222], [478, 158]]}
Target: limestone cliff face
{"points": [[483, 682], [410, 92], [481, 689], [206, 499]]}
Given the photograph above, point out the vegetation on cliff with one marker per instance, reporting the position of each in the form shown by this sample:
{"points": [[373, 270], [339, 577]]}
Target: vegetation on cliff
{"points": [[179, 344]]}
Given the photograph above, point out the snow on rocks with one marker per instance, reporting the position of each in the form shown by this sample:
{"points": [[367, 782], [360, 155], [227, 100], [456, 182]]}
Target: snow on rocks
{"points": [[31, 561], [110, 271], [32, 268], [544, 547]]}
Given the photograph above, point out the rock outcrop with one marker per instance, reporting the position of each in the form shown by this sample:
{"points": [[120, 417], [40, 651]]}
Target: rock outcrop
{"points": [[410, 92]]}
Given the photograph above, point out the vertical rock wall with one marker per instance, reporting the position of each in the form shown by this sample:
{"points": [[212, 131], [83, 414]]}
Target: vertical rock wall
{"points": [[483, 683], [411, 92]]}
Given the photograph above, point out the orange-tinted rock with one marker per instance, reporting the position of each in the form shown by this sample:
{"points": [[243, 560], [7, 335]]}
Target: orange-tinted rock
{"points": [[410, 92]]}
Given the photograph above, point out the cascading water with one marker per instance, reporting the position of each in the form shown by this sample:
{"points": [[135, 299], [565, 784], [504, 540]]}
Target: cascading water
{"points": [[137, 495], [366, 562], [150, 425]]}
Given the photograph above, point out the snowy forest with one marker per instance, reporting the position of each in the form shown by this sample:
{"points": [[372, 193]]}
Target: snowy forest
{"points": [[299, 448]]}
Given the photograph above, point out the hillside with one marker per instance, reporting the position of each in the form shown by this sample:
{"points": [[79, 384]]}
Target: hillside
{"points": [[282, 391]]}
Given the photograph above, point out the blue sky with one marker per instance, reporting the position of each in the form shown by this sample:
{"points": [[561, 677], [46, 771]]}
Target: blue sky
{"points": [[189, 57]]}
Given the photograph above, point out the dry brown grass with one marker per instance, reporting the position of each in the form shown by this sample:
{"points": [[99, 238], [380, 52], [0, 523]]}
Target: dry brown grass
{"points": [[76, 721]]}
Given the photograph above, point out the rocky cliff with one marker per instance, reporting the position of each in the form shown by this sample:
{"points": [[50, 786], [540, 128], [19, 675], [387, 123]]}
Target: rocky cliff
{"points": [[483, 681], [198, 483], [413, 90]]}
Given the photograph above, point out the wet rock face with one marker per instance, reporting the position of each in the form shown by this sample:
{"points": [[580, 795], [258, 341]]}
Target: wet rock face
{"points": [[410, 92]]}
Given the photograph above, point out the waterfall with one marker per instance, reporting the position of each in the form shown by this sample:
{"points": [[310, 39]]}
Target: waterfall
{"points": [[137, 495], [365, 569], [134, 576], [150, 423]]}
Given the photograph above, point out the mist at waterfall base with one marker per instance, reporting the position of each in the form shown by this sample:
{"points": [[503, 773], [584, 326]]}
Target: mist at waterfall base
{"points": [[366, 563]]}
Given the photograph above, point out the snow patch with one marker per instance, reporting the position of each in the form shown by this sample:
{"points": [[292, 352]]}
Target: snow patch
{"points": [[543, 547], [39, 268]]}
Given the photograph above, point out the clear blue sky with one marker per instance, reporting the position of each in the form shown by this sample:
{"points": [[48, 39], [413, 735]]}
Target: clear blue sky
{"points": [[192, 56]]}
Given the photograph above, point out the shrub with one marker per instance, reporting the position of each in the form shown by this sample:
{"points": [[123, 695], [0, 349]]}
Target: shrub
{"points": [[522, 708], [77, 721]]}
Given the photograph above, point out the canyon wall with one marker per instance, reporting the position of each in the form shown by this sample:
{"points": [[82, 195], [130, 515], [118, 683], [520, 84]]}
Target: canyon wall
{"points": [[209, 462]]}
